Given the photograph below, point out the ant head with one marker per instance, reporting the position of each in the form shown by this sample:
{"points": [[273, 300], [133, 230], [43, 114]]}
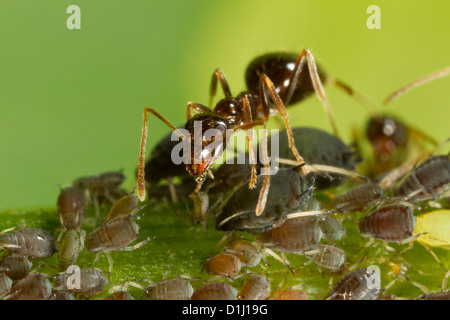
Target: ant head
{"points": [[385, 133], [208, 138]]}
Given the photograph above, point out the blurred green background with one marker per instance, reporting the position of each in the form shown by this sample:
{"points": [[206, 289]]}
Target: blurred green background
{"points": [[71, 100]]}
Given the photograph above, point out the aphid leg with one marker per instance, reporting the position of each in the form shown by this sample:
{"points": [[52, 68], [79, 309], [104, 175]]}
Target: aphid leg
{"points": [[278, 258], [248, 119], [110, 261], [434, 256], [306, 56], [418, 285], [218, 75], [416, 83], [97, 209], [141, 164], [138, 245], [124, 287], [387, 247], [445, 281], [222, 241]]}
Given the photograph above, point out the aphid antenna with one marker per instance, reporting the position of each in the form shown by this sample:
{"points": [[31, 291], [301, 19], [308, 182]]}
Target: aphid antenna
{"points": [[22, 225], [302, 214]]}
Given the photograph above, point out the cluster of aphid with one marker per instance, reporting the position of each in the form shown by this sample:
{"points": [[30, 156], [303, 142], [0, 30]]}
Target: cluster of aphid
{"points": [[300, 210]]}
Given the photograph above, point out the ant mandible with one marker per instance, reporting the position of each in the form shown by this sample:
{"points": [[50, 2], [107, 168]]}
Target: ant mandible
{"points": [[292, 82]]}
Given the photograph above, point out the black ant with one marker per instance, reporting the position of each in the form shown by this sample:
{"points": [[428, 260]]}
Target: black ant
{"points": [[392, 140], [274, 81]]}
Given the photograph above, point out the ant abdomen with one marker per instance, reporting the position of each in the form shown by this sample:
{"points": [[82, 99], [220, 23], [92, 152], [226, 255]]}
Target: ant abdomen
{"points": [[278, 66]]}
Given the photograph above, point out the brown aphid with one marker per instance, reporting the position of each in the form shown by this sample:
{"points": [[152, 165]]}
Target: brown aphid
{"points": [[119, 295], [224, 264], [15, 266], [327, 256], [32, 242], [331, 228], [123, 207], [215, 291], [69, 250], [5, 285], [91, 282], [428, 181], [113, 235], [289, 294], [61, 295], [34, 287], [361, 284], [392, 222], [245, 251], [255, 288], [358, 198], [175, 289], [71, 206], [294, 235]]}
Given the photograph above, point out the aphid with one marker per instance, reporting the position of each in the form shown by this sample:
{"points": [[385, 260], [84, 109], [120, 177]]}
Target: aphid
{"points": [[433, 228], [257, 287], [358, 198], [175, 289], [291, 192], [318, 147], [5, 285], [428, 181], [393, 222], [224, 264], [245, 251], [289, 294], [61, 295], [102, 186], [119, 295], [34, 287], [361, 284], [215, 291], [294, 235], [71, 247], [71, 207], [114, 235], [15, 266], [245, 111], [90, 282], [327, 256], [123, 207], [331, 228], [32, 242]]}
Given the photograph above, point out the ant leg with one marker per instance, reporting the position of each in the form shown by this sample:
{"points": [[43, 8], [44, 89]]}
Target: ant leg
{"points": [[141, 164], [359, 97], [416, 83], [266, 88], [247, 117], [218, 75], [262, 199], [303, 57], [197, 107]]}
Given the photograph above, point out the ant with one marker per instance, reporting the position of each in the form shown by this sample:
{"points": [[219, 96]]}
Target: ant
{"points": [[392, 140], [274, 81]]}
